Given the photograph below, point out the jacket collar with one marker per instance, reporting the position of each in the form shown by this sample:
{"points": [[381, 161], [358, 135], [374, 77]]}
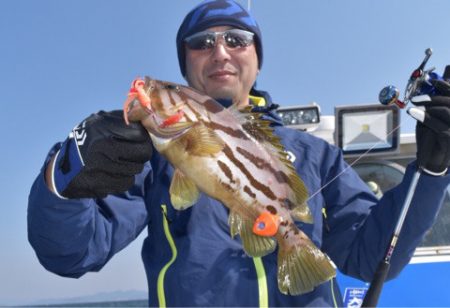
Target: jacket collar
{"points": [[262, 103]]}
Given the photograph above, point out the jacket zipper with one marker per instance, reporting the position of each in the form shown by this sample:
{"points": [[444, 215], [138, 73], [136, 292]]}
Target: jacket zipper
{"points": [[173, 248], [262, 282]]}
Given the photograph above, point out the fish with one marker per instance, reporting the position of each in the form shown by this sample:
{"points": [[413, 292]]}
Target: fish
{"points": [[232, 155]]}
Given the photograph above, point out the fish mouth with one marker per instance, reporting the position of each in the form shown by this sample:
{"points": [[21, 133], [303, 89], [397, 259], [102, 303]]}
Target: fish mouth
{"points": [[137, 96], [171, 132], [134, 111]]}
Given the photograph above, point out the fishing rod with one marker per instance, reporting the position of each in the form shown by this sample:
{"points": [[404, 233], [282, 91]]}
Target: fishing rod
{"points": [[418, 84]]}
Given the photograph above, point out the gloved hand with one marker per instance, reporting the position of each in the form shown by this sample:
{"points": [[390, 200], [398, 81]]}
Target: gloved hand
{"points": [[433, 129], [100, 157]]}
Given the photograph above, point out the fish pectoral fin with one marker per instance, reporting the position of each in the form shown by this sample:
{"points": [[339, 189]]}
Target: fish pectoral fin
{"points": [[298, 187], [297, 198], [302, 213], [202, 141], [254, 245], [183, 191], [302, 268], [235, 223]]}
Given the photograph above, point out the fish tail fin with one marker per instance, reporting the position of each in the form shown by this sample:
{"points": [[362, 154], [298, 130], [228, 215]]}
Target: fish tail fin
{"points": [[254, 245], [303, 267]]}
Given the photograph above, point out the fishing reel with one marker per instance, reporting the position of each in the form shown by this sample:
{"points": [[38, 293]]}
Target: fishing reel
{"points": [[418, 84]]}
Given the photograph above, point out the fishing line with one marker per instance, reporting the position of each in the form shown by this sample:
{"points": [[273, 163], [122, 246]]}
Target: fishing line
{"points": [[353, 163]]}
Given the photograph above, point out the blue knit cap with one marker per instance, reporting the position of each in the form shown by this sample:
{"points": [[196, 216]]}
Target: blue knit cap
{"points": [[211, 13]]}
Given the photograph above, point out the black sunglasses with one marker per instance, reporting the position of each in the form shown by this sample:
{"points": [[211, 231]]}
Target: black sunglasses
{"points": [[234, 38]]}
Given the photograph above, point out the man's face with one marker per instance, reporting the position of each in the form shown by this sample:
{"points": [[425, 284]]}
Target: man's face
{"points": [[222, 72]]}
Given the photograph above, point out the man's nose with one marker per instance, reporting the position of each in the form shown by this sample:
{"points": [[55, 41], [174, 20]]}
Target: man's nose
{"points": [[220, 51]]}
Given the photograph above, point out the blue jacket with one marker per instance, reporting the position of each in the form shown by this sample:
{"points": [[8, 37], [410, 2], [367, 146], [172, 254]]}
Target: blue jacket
{"points": [[189, 256]]}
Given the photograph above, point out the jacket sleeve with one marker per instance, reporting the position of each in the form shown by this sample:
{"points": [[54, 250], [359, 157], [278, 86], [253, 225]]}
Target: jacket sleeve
{"points": [[360, 227], [72, 237]]}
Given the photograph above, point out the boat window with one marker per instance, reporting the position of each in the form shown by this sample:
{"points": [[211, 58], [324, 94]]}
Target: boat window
{"points": [[439, 234], [382, 176]]}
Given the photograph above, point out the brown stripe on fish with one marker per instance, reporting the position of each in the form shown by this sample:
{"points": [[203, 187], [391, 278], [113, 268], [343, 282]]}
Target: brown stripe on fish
{"points": [[213, 106], [288, 204], [227, 187], [156, 99], [172, 100], [256, 184], [290, 228], [272, 209], [249, 191], [226, 170], [236, 133], [160, 100], [293, 228], [191, 102], [262, 164], [185, 99]]}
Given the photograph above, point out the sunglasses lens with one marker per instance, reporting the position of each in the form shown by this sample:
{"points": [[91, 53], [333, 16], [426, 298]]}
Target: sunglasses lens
{"points": [[238, 39], [233, 39], [204, 41]]}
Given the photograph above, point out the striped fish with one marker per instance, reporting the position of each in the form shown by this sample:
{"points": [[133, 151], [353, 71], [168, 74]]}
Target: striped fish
{"points": [[233, 156]]}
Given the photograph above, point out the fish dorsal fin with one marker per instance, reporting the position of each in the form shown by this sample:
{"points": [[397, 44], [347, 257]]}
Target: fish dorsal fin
{"points": [[260, 129], [183, 191], [201, 141], [256, 126]]}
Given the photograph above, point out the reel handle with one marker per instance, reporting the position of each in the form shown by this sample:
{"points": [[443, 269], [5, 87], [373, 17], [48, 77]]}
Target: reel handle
{"points": [[428, 53], [389, 95]]}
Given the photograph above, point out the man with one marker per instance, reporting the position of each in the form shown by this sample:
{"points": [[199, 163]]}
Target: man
{"points": [[98, 190]]}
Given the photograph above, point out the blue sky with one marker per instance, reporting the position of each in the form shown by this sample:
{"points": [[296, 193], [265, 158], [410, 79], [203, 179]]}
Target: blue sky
{"points": [[63, 60]]}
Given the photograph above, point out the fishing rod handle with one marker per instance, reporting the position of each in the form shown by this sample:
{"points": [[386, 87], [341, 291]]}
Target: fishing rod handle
{"points": [[373, 294]]}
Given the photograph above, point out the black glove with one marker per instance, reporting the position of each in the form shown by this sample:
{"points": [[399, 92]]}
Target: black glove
{"points": [[433, 129], [100, 157]]}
